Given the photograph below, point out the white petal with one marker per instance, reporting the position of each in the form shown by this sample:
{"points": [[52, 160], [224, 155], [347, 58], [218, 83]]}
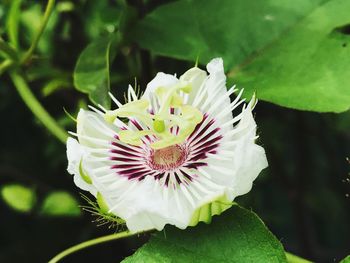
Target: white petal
{"points": [[196, 77], [144, 205], [75, 155], [139, 203], [216, 66], [92, 125], [160, 80], [214, 89], [251, 158], [243, 158], [216, 83]]}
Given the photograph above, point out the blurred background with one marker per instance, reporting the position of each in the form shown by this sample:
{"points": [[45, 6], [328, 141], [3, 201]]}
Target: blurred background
{"points": [[303, 196]]}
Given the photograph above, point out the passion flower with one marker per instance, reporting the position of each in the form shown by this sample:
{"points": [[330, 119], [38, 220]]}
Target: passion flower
{"points": [[180, 158]]}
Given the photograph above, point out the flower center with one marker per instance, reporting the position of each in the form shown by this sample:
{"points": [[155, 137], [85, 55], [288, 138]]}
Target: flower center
{"points": [[168, 158]]}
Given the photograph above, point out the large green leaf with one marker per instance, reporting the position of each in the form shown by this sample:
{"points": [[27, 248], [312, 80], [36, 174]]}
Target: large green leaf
{"points": [[290, 52], [60, 203], [91, 74], [308, 67], [18, 197], [238, 235], [346, 260], [188, 29]]}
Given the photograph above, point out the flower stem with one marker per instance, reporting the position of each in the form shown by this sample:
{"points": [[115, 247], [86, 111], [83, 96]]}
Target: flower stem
{"points": [[295, 259], [37, 109], [90, 243], [49, 8]]}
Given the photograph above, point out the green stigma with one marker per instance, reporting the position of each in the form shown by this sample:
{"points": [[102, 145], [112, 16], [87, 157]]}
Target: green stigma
{"points": [[159, 126]]}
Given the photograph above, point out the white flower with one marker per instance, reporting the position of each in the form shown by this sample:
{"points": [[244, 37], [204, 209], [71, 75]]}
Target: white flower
{"points": [[180, 159]]}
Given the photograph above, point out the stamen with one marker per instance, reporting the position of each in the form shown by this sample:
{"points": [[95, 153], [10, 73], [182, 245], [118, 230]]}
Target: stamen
{"points": [[158, 123]]}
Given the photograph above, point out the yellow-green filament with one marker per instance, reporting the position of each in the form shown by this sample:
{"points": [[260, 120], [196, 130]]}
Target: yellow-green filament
{"points": [[161, 122]]}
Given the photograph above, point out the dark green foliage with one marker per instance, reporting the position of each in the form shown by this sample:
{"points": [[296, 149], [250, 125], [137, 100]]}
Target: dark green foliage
{"points": [[293, 53]]}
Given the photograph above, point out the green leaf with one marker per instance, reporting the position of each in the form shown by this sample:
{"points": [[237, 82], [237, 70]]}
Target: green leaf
{"points": [[293, 53], [188, 29], [101, 16], [346, 260], [18, 197], [60, 203], [238, 235], [91, 74], [308, 68]]}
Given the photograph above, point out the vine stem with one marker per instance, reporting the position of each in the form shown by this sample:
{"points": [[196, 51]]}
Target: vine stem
{"points": [[92, 242], [5, 65], [48, 11], [37, 109], [291, 258], [8, 50]]}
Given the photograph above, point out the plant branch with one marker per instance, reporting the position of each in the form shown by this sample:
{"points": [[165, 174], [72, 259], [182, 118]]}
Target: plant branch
{"points": [[90, 243], [38, 110], [8, 50], [5, 65], [49, 8]]}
